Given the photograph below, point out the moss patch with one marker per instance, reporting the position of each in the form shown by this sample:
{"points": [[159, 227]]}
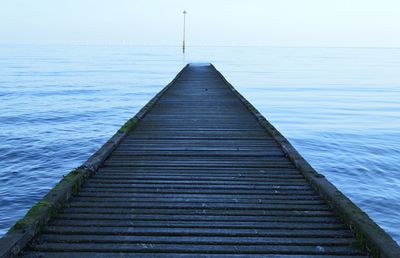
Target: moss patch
{"points": [[31, 216], [129, 125], [74, 178], [48, 206]]}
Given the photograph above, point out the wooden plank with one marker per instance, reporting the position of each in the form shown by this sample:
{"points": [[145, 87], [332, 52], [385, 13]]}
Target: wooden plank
{"points": [[166, 248], [61, 254], [197, 224], [197, 163], [200, 196], [200, 182], [185, 185], [203, 152], [202, 199], [201, 211], [196, 240], [193, 231], [159, 187], [323, 218], [200, 205], [198, 171], [211, 177], [172, 189]]}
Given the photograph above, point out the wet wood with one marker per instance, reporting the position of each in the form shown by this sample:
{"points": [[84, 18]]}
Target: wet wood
{"points": [[197, 177]]}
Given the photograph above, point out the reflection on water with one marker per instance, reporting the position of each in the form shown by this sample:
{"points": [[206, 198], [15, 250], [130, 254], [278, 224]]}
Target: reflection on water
{"points": [[340, 107]]}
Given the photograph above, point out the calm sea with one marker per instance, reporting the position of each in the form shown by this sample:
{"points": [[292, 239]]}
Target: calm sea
{"points": [[340, 107]]}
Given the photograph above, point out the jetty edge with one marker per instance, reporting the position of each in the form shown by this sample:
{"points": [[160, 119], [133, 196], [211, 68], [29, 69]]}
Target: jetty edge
{"points": [[369, 234], [25, 229]]}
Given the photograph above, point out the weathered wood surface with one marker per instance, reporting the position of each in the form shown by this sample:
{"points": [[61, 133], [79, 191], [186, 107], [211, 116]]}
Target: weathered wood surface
{"points": [[197, 177]]}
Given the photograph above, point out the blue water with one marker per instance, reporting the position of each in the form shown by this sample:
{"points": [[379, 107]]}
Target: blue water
{"points": [[340, 107]]}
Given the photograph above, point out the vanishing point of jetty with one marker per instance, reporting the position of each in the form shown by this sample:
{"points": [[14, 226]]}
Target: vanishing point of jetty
{"points": [[198, 172]]}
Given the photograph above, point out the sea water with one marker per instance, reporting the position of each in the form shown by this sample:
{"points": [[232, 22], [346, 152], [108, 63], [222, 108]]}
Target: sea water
{"points": [[340, 107]]}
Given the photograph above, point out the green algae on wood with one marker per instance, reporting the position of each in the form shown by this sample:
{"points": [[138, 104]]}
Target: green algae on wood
{"points": [[46, 208], [31, 216], [129, 125]]}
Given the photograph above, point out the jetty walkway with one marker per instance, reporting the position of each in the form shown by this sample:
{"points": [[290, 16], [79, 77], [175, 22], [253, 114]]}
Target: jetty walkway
{"points": [[198, 172]]}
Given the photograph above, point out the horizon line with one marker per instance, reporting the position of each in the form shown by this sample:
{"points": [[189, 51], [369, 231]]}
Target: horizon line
{"points": [[178, 45]]}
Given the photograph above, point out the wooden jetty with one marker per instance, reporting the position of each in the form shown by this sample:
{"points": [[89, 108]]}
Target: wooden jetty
{"points": [[198, 172]]}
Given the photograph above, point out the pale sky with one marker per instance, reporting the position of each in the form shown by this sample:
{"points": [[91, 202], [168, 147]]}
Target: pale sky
{"points": [[353, 23]]}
